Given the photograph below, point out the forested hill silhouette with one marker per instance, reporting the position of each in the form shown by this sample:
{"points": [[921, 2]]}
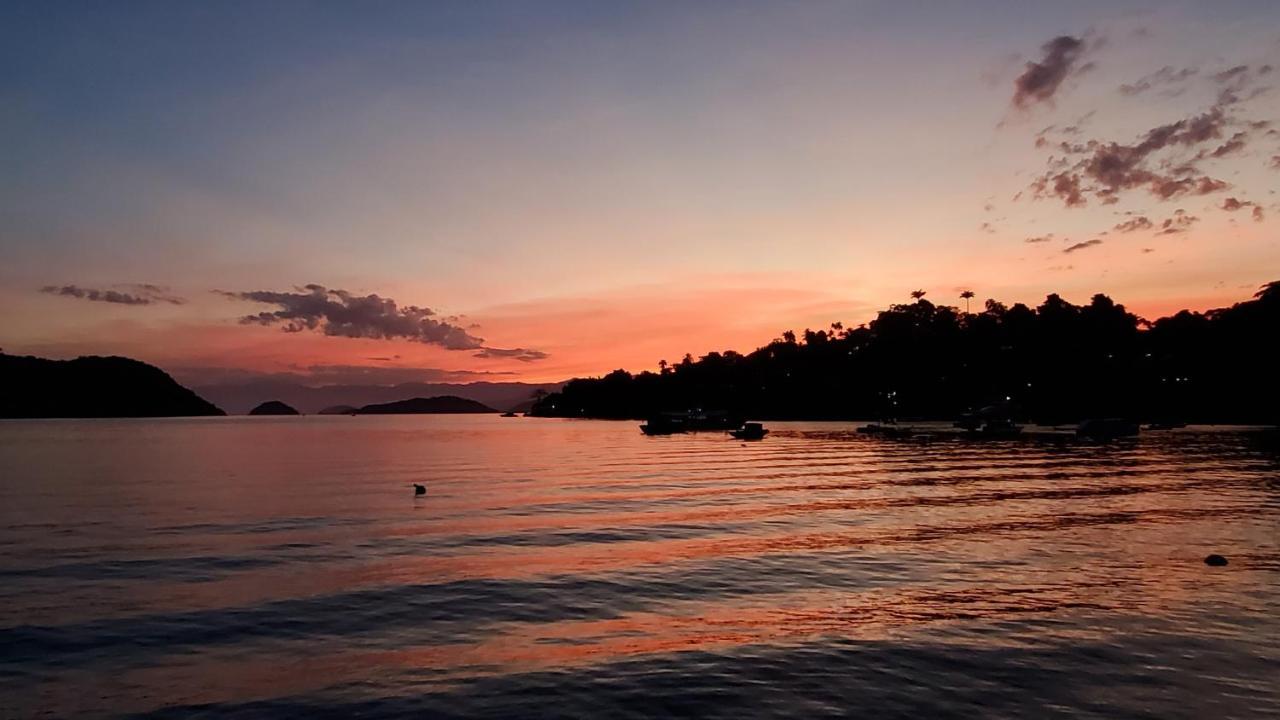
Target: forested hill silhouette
{"points": [[1057, 362], [92, 387]]}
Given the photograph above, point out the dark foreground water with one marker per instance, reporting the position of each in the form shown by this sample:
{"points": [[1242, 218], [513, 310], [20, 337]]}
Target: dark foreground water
{"points": [[263, 567]]}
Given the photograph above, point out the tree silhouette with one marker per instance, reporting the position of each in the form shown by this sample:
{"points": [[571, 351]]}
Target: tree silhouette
{"points": [[1057, 362], [967, 295]]}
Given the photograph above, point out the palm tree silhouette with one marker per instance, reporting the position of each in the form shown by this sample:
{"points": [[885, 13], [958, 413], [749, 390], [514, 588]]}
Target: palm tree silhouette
{"points": [[917, 294], [966, 296]]}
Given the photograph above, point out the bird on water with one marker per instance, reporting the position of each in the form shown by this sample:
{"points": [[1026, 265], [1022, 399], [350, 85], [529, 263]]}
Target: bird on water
{"points": [[419, 489]]}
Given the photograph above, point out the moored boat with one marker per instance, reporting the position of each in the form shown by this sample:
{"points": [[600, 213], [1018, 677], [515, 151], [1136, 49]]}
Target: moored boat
{"points": [[750, 431]]}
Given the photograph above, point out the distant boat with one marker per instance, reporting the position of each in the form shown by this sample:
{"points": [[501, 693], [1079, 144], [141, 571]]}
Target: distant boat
{"points": [[509, 414], [1107, 429], [888, 430], [750, 431]]}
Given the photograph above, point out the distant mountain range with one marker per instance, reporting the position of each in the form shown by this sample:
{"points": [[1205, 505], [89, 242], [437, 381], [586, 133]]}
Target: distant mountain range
{"points": [[240, 398], [92, 387]]}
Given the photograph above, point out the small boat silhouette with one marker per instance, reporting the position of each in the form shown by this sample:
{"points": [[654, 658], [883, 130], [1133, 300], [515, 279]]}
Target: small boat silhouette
{"points": [[419, 489], [750, 431]]}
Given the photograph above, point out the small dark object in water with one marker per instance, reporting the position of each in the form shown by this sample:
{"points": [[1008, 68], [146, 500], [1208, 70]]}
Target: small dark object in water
{"points": [[1215, 561], [419, 489], [750, 431]]}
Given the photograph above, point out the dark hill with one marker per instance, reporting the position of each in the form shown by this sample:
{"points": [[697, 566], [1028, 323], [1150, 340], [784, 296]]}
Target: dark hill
{"points": [[274, 407], [92, 387], [441, 404]]}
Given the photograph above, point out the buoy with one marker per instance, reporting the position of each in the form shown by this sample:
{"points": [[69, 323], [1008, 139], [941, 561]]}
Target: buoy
{"points": [[419, 489], [1215, 560]]}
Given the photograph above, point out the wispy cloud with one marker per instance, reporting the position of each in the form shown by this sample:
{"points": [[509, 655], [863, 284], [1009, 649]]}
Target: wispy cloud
{"points": [[521, 354], [1081, 246], [135, 294], [1165, 76], [1141, 222]]}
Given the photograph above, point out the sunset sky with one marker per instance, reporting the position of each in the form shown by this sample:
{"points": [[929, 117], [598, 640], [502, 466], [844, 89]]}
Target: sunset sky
{"points": [[569, 188]]}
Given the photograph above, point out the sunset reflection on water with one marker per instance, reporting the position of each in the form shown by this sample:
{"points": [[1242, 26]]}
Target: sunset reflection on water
{"points": [[263, 566]]}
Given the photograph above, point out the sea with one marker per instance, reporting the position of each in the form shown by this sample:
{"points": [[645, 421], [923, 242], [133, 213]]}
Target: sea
{"points": [[269, 567]]}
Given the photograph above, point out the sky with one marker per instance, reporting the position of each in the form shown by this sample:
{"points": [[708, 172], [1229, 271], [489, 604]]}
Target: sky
{"points": [[542, 190]]}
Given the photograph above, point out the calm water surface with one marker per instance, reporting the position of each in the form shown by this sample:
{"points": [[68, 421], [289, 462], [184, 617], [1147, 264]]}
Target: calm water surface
{"points": [[276, 567]]}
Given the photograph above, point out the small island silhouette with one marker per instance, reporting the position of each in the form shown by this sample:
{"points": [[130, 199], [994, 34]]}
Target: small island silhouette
{"points": [[444, 404], [274, 407], [1054, 363]]}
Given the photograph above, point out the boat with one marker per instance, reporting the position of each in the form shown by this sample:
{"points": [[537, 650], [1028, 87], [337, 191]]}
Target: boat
{"points": [[1107, 429], [997, 428], [509, 414], [887, 430], [750, 431]]}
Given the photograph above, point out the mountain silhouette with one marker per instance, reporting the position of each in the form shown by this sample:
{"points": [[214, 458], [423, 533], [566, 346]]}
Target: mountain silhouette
{"points": [[93, 387], [274, 407], [442, 405], [239, 397]]}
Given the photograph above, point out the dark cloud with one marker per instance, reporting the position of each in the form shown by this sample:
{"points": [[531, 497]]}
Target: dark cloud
{"points": [[1064, 185], [1081, 245], [1165, 160], [1179, 222], [1040, 80], [1148, 250], [521, 354], [343, 314], [1140, 222], [1275, 162], [1165, 76], [1235, 144], [1233, 204], [1039, 238], [136, 294], [1231, 74], [1108, 169]]}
